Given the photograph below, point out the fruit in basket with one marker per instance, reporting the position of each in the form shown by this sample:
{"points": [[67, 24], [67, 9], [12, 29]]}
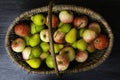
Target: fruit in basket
{"points": [[58, 47], [62, 62], [44, 55], [66, 16], [81, 31], [34, 40], [18, 45], [91, 48], [49, 62], [80, 22], [55, 21], [26, 53], [22, 30], [59, 36], [44, 35], [34, 63], [36, 28], [101, 42], [71, 36], [81, 56], [27, 40], [38, 19], [95, 27], [74, 45], [65, 28], [45, 46], [69, 52], [35, 52], [89, 35], [81, 45]]}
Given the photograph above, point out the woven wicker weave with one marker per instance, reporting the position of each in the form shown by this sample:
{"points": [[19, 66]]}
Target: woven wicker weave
{"points": [[93, 61]]}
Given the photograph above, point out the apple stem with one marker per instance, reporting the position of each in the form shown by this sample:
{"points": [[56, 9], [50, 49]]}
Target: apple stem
{"points": [[51, 37]]}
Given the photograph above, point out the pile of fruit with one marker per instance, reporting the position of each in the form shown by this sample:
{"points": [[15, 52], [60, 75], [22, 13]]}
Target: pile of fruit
{"points": [[75, 37]]}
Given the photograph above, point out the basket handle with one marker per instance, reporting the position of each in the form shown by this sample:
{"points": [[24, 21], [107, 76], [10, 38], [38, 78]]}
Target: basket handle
{"points": [[51, 36]]}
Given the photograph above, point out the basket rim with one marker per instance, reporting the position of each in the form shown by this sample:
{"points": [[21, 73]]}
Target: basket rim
{"points": [[81, 9]]}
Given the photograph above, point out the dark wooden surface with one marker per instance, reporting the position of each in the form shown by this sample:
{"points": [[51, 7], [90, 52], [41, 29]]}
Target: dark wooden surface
{"points": [[109, 70]]}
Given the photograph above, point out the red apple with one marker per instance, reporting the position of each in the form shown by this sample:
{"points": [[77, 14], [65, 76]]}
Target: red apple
{"points": [[80, 22], [101, 42], [66, 16], [55, 21], [18, 45], [62, 62], [59, 37], [81, 56], [22, 30]]}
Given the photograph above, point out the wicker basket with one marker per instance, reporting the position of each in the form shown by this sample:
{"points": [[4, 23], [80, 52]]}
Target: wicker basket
{"points": [[93, 61]]}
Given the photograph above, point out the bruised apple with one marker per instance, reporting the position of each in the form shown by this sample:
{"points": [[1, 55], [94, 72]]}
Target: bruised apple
{"points": [[80, 22], [62, 62], [59, 37]]}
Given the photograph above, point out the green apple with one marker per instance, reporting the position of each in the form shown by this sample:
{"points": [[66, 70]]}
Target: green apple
{"points": [[34, 40], [36, 28], [49, 62], [81, 45], [35, 52], [38, 19], [57, 47], [71, 36], [65, 28], [44, 55], [34, 63], [45, 46]]}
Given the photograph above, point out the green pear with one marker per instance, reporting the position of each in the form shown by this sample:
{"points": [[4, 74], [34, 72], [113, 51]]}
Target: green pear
{"points": [[36, 28], [49, 62], [71, 36], [27, 40], [34, 40], [74, 45], [34, 63], [65, 28], [45, 46], [44, 55], [57, 47], [38, 19], [35, 52], [81, 32], [81, 45]]}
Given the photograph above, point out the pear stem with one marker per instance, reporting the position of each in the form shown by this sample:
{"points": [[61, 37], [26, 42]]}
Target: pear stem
{"points": [[51, 36]]}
